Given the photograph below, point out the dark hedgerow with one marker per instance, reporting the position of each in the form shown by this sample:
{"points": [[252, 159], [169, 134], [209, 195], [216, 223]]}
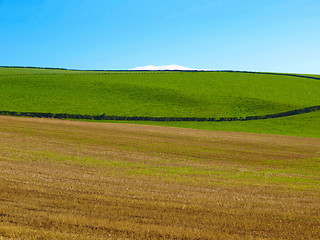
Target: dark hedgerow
{"points": [[166, 119]]}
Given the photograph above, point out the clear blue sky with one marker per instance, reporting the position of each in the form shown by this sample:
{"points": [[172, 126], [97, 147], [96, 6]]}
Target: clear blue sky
{"points": [[257, 35]]}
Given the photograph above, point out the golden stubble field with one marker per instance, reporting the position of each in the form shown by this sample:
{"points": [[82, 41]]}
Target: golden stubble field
{"points": [[64, 179]]}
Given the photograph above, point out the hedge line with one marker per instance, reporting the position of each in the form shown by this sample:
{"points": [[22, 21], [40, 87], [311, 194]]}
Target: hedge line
{"points": [[169, 119], [271, 73]]}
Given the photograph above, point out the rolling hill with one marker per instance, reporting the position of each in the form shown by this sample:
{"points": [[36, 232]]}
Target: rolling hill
{"points": [[166, 94]]}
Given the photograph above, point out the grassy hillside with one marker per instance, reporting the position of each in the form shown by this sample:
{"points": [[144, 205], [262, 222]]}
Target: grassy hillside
{"points": [[172, 94], [166, 94], [79, 180]]}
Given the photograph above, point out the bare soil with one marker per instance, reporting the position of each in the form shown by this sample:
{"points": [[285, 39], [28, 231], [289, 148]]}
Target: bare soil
{"points": [[64, 179]]}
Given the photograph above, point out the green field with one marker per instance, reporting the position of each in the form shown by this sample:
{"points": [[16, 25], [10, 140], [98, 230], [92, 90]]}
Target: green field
{"points": [[167, 94]]}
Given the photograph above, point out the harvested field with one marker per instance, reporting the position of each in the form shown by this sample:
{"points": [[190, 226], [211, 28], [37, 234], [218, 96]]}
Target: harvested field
{"points": [[80, 180]]}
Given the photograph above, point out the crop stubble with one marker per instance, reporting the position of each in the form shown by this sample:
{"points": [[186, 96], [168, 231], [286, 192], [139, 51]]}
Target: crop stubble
{"points": [[80, 180]]}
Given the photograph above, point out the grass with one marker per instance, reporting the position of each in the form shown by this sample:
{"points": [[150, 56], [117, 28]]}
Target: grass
{"points": [[172, 94], [167, 94], [79, 180]]}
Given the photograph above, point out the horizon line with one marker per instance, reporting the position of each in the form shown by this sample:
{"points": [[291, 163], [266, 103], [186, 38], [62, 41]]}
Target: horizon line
{"points": [[191, 70]]}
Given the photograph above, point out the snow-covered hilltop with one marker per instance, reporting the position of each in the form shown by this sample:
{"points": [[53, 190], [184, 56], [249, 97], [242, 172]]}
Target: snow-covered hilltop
{"points": [[166, 67]]}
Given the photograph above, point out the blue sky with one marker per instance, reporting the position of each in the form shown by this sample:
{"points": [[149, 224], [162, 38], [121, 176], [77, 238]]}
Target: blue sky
{"points": [[254, 35]]}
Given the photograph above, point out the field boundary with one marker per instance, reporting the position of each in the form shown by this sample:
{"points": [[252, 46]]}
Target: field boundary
{"points": [[270, 73], [159, 119]]}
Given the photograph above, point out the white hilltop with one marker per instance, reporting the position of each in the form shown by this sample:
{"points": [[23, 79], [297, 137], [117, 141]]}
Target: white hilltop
{"points": [[166, 67]]}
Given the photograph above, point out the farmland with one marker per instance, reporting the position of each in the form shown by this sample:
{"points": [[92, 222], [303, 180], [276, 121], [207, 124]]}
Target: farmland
{"points": [[89, 179], [185, 94], [63, 179], [304, 125], [166, 94]]}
